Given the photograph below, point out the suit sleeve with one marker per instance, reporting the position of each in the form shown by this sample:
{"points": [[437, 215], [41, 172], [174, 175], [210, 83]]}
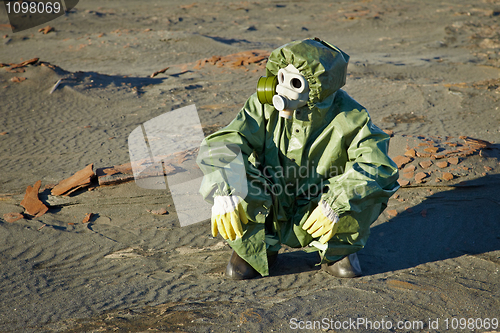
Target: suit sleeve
{"points": [[227, 159], [370, 176]]}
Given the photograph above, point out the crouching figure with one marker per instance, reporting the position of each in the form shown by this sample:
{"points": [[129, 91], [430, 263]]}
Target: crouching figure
{"points": [[302, 164]]}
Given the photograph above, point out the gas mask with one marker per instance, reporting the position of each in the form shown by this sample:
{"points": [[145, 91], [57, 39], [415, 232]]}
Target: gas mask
{"points": [[287, 91]]}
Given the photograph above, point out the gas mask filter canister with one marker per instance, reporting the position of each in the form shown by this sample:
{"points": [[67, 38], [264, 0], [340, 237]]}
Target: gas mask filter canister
{"points": [[286, 92]]}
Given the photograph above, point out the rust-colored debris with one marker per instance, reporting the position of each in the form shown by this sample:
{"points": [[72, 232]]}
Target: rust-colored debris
{"points": [[447, 176], [442, 164], [49, 65], [410, 153], [172, 163], [24, 63], [115, 175], [87, 217], [17, 79], [409, 174], [419, 177], [161, 211], [389, 132], [401, 161], [431, 149], [458, 85], [423, 155], [425, 164], [445, 148], [475, 143], [80, 179], [12, 217], [467, 152], [487, 168], [159, 72], [392, 212], [32, 205], [236, 60], [403, 182], [410, 168], [178, 158], [443, 154], [108, 171], [46, 30], [123, 173]]}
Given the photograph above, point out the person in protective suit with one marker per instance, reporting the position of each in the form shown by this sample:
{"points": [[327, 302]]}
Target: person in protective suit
{"points": [[302, 164]]}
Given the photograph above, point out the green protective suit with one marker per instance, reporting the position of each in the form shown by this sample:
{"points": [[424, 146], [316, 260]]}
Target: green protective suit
{"points": [[329, 150]]}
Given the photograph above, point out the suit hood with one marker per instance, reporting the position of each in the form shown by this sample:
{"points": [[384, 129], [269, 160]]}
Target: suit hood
{"points": [[322, 64]]}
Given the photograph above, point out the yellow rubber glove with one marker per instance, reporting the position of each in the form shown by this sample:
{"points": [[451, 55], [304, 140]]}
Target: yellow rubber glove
{"points": [[227, 215], [323, 222]]}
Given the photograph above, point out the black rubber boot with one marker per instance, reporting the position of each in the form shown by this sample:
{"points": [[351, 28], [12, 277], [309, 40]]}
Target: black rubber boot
{"points": [[239, 269], [347, 267]]}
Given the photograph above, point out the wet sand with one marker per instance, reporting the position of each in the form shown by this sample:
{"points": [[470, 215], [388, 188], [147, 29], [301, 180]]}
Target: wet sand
{"points": [[429, 72]]}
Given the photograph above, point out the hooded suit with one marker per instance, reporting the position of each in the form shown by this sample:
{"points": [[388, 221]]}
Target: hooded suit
{"points": [[330, 150]]}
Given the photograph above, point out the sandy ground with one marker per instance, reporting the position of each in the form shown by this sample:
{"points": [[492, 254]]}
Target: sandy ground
{"points": [[427, 70]]}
